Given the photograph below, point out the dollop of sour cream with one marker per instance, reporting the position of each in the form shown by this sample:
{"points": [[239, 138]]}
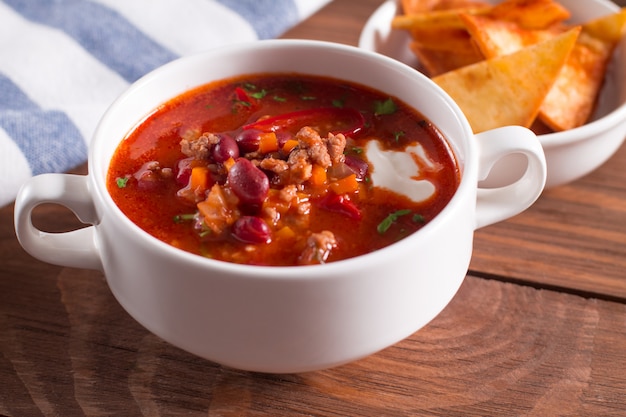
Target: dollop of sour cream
{"points": [[401, 172]]}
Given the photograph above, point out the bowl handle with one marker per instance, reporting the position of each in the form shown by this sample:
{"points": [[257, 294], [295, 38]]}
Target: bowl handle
{"points": [[494, 204], [76, 248]]}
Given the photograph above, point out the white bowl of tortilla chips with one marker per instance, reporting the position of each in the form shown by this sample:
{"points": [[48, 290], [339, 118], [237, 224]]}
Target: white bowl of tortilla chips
{"points": [[555, 66]]}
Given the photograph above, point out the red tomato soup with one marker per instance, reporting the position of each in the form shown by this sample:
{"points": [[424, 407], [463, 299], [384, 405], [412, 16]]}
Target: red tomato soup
{"points": [[271, 169]]}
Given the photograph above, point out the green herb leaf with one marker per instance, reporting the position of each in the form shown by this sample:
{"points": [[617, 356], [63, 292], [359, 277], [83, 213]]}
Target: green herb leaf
{"points": [[121, 181], [308, 98], [355, 149], [338, 103], [398, 135], [280, 99], [390, 220], [180, 218], [258, 94], [418, 218], [384, 107]]}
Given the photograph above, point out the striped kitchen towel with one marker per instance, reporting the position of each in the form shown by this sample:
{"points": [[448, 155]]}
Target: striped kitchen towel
{"points": [[63, 62]]}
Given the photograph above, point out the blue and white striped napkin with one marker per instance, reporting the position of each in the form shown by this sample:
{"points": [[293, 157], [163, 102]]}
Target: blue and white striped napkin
{"points": [[63, 62]]}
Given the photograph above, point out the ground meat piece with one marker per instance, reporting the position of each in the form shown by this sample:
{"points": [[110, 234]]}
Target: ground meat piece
{"points": [[199, 148], [318, 248], [336, 145], [304, 208], [316, 149], [288, 194], [277, 166], [300, 168], [270, 214], [255, 156]]}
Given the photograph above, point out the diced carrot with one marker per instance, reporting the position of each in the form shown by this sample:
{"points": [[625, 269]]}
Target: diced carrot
{"points": [[318, 175], [289, 145], [268, 142], [229, 163], [199, 179], [345, 185], [285, 232]]}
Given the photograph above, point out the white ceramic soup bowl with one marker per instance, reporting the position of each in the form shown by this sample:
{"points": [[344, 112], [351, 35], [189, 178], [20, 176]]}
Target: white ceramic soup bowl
{"points": [[570, 154], [282, 319]]}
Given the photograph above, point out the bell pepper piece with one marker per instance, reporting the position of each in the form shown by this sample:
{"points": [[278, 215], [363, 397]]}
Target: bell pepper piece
{"points": [[349, 120]]}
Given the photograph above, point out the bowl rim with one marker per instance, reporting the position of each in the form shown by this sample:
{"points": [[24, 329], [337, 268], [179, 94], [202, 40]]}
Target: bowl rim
{"points": [[586, 131]]}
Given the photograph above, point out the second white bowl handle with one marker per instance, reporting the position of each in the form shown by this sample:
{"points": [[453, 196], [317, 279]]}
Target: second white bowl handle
{"points": [[76, 248]]}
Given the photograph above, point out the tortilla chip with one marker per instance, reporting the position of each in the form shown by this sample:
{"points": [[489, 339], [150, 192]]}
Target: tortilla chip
{"points": [[531, 14], [496, 37], [449, 19], [573, 97], [434, 62], [417, 6], [458, 4], [421, 6], [509, 89], [609, 29], [443, 39]]}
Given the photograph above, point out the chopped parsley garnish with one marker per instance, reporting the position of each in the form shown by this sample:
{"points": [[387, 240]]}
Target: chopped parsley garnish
{"points": [[121, 182], [355, 149], [393, 217], [418, 218], [338, 103], [384, 107], [180, 218], [258, 94], [398, 135], [279, 98], [308, 98]]}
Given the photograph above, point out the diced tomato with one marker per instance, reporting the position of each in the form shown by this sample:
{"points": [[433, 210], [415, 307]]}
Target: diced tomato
{"points": [[340, 203]]}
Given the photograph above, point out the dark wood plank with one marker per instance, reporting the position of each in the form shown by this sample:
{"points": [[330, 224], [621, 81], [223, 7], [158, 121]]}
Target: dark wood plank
{"points": [[340, 21]]}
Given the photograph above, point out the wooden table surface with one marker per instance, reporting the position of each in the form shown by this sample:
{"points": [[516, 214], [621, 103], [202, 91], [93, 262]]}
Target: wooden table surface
{"points": [[537, 329]]}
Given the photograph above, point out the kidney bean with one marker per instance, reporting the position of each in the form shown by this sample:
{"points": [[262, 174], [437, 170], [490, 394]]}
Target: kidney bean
{"points": [[248, 140], [358, 165], [148, 178], [251, 229], [283, 137], [224, 149], [248, 182]]}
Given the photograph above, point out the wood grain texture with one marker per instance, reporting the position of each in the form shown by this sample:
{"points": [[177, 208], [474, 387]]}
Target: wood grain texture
{"points": [[518, 339], [498, 349]]}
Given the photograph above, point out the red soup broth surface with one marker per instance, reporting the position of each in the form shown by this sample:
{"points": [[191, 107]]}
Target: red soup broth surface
{"points": [[269, 169]]}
